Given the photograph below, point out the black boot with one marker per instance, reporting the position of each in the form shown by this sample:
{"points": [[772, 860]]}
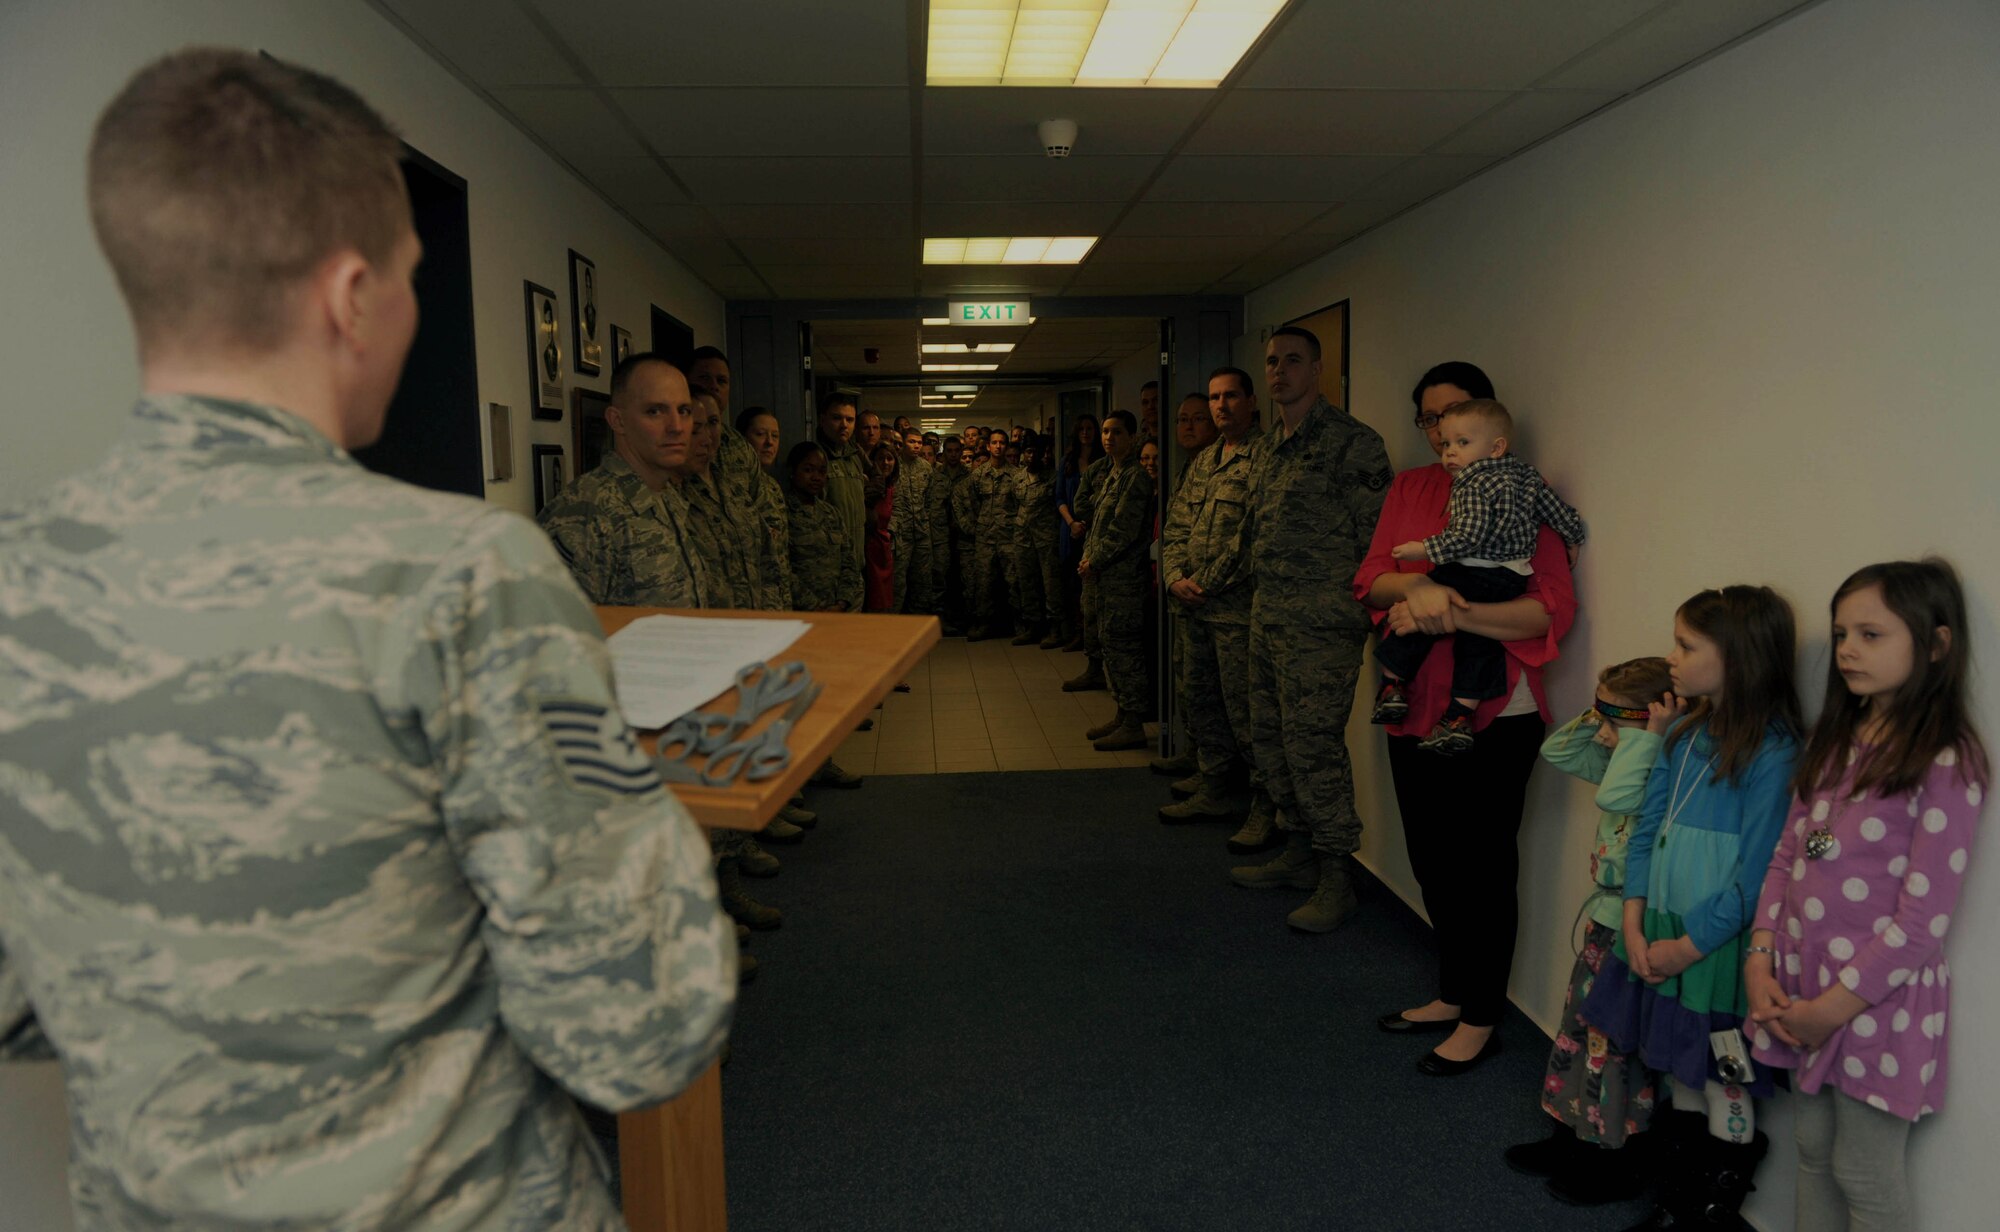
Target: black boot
{"points": [[1706, 1184], [1595, 1175], [1546, 1156]]}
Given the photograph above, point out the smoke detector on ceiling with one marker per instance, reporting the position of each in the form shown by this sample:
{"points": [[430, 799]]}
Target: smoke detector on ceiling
{"points": [[1057, 137]]}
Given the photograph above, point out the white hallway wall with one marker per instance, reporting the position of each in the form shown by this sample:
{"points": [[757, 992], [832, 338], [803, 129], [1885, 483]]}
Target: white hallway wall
{"points": [[1748, 322], [68, 345]]}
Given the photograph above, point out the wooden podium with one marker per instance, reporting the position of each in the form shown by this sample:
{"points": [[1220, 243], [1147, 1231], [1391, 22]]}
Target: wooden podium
{"points": [[670, 1156]]}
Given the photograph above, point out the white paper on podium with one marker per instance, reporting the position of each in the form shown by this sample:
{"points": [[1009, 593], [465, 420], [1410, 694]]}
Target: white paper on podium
{"points": [[665, 666]]}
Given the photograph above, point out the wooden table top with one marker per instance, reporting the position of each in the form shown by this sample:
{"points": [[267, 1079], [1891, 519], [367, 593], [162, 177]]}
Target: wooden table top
{"points": [[857, 658]]}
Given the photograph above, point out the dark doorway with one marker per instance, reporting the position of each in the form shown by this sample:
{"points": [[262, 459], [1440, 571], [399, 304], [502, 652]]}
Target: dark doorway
{"points": [[673, 340], [432, 434]]}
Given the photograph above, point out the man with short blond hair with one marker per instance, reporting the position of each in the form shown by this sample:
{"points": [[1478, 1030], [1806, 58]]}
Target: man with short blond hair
{"points": [[328, 866]]}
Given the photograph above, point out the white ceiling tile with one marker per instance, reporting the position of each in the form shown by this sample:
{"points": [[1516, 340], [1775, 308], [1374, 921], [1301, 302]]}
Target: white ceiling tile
{"points": [[1243, 177], [1030, 177], [736, 282], [1002, 121], [978, 280], [574, 121], [861, 222], [1120, 250], [1264, 218], [1432, 44], [676, 222], [1669, 39], [801, 250], [1525, 118], [494, 44], [1016, 218], [716, 122], [632, 182], [1336, 121], [769, 42], [752, 181]]}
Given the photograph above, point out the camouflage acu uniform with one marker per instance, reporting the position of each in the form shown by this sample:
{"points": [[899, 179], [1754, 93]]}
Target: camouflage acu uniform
{"points": [[909, 540], [774, 574], [993, 504], [1035, 563], [847, 488], [725, 540], [938, 497], [1315, 495], [328, 867], [625, 544], [965, 525], [823, 572], [1121, 527], [914, 547], [1200, 542], [741, 482], [1087, 487]]}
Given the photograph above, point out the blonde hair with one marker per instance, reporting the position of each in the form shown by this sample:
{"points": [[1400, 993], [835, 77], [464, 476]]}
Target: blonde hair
{"points": [[219, 179], [1637, 680], [1489, 411]]}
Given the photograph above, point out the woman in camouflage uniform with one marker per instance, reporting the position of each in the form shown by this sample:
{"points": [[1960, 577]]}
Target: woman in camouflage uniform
{"points": [[824, 575], [993, 502], [774, 574]]}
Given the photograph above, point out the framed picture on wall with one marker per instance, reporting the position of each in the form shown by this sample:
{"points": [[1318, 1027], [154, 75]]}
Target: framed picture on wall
{"points": [[545, 373], [621, 345], [590, 436], [548, 461], [586, 336]]}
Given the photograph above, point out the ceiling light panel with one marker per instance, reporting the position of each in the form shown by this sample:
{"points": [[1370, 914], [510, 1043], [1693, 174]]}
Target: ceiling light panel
{"points": [[1008, 250], [1178, 43], [965, 348], [960, 367]]}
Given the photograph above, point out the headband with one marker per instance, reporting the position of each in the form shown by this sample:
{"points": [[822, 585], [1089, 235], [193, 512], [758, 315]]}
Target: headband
{"points": [[1610, 711]]}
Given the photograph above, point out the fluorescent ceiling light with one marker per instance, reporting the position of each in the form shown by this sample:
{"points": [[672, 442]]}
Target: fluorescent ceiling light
{"points": [[956, 389], [960, 367], [1183, 43], [1008, 250], [937, 320], [964, 348]]}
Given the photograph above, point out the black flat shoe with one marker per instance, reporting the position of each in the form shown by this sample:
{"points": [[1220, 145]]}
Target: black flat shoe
{"points": [[1396, 1024], [1444, 1067]]}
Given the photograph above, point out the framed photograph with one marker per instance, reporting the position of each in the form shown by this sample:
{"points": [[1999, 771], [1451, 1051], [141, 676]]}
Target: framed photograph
{"points": [[586, 331], [548, 461], [621, 345], [590, 436], [500, 441], [545, 372]]}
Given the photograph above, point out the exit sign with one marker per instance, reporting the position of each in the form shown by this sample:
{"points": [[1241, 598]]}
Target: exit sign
{"points": [[988, 312]]}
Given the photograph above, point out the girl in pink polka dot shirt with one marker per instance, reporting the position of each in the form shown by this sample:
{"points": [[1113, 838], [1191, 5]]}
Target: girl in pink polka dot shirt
{"points": [[1846, 973]]}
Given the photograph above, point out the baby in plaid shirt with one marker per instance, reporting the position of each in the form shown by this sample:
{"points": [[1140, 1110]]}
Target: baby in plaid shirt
{"points": [[1498, 505]]}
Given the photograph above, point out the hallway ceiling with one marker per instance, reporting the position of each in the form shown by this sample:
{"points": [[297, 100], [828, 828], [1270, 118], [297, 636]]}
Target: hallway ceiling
{"points": [[788, 148], [1061, 349]]}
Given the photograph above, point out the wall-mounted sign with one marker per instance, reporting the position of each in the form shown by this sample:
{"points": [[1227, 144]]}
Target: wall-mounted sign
{"points": [[989, 312]]}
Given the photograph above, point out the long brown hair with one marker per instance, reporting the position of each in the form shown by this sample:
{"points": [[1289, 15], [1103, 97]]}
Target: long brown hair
{"points": [[1753, 628], [1926, 714]]}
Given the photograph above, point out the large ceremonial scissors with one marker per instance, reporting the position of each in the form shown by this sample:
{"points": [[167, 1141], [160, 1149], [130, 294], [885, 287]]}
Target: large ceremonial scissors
{"points": [[718, 736]]}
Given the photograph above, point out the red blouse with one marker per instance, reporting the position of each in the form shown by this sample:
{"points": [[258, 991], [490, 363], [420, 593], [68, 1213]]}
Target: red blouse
{"points": [[1415, 509], [878, 558]]}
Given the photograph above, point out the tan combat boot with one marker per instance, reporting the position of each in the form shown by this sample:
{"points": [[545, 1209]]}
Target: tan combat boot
{"points": [[1333, 898], [1296, 867], [1260, 829], [1130, 733]]}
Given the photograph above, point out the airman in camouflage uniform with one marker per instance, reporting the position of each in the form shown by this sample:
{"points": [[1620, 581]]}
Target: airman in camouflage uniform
{"points": [[1199, 546], [328, 868], [993, 503], [625, 544], [1035, 562], [824, 578], [938, 496], [1088, 486], [914, 550], [1317, 489], [965, 538], [722, 524], [1115, 556], [774, 575]]}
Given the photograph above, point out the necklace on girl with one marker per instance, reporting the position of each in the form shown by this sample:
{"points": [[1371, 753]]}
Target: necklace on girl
{"points": [[1675, 800]]}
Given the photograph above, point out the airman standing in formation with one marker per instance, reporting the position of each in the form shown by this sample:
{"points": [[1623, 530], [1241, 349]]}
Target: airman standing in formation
{"points": [[1035, 560], [1317, 481], [1115, 557]]}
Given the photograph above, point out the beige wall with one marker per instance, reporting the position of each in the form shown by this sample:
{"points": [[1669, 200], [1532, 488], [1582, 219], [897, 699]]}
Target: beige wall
{"points": [[1748, 323], [68, 347], [72, 353]]}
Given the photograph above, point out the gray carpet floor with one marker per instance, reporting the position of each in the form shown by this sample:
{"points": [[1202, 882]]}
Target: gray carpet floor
{"points": [[1017, 1001]]}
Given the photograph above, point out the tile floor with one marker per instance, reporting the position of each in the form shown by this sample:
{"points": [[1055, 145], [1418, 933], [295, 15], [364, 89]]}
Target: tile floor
{"points": [[986, 706]]}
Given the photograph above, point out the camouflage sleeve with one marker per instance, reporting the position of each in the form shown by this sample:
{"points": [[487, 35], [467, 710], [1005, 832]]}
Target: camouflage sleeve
{"points": [[1086, 491], [847, 586], [616, 969], [1127, 525], [1245, 536], [585, 543], [1178, 526], [1363, 484], [21, 1037]]}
